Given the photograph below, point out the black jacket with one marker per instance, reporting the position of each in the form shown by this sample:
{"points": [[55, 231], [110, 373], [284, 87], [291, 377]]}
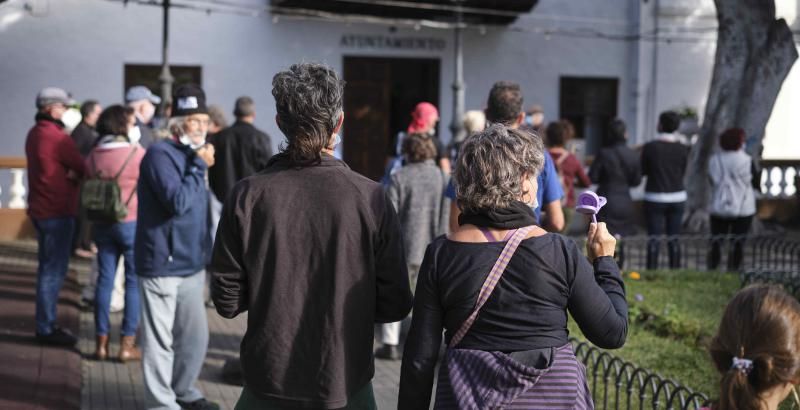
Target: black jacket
{"points": [[546, 277], [615, 170], [315, 256], [148, 135], [664, 163], [84, 137], [241, 151]]}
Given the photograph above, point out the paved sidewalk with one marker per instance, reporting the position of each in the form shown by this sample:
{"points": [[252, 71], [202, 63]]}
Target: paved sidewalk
{"points": [[113, 385], [33, 376], [36, 377]]}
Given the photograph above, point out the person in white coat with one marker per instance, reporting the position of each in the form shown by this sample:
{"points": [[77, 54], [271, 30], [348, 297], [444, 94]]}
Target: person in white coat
{"points": [[734, 178]]}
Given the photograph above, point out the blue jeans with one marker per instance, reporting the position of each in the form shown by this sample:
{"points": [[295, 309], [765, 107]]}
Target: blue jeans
{"points": [[55, 245], [663, 219], [113, 241]]}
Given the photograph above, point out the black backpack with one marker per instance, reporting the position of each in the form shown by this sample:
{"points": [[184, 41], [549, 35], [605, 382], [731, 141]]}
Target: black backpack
{"points": [[101, 198]]}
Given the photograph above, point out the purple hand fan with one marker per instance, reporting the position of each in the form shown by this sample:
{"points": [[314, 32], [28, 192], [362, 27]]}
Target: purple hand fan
{"points": [[590, 203]]}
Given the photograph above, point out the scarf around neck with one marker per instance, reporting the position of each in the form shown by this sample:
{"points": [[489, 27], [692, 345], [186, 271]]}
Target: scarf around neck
{"points": [[516, 215]]}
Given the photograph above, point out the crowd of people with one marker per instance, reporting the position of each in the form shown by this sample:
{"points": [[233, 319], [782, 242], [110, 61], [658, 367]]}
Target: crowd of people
{"points": [[144, 195], [468, 235]]}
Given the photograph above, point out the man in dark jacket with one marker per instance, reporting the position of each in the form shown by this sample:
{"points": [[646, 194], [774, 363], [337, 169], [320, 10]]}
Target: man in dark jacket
{"points": [[313, 251], [54, 169], [171, 251], [84, 134], [241, 150]]}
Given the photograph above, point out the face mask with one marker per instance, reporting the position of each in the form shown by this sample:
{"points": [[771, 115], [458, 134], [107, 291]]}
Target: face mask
{"points": [[535, 203], [186, 140], [337, 139], [134, 135]]}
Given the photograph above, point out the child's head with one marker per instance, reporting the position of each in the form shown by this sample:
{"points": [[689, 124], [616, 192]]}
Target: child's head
{"points": [[757, 347]]}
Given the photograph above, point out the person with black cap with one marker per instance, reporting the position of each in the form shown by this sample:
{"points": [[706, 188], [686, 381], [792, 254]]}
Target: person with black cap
{"points": [[54, 168], [171, 250]]}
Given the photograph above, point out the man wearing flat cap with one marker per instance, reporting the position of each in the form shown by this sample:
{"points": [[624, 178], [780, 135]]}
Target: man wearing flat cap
{"points": [[54, 169], [171, 251]]}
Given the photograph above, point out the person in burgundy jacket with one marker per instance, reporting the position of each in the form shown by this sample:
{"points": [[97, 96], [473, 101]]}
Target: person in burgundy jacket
{"points": [[54, 169], [570, 170]]}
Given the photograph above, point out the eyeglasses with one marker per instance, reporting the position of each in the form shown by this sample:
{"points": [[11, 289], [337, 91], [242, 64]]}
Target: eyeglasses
{"points": [[198, 122]]}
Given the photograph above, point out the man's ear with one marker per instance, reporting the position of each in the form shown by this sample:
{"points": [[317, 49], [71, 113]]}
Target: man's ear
{"points": [[339, 124], [520, 119]]}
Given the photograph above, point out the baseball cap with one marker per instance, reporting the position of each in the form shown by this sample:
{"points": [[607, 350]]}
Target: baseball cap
{"points": [[533, 109], [140, 92], [53, 95], [189, 99]]}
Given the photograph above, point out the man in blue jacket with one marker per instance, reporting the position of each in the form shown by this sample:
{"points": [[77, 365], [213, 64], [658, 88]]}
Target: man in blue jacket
{"points": [[172, 249]]}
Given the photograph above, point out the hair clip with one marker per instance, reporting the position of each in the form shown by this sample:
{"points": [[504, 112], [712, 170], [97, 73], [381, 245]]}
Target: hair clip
{"points": [[743, 365]]}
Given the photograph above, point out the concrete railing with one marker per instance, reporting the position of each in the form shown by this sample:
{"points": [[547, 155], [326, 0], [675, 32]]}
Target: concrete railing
{"points": [[14, 222], [17, 166], [779, 178]]}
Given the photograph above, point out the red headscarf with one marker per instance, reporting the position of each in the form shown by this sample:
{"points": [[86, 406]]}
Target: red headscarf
{"points": [[422, 117]]}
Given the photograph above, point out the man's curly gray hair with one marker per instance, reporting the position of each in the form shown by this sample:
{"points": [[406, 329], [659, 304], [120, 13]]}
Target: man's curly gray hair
{"points": [[491, 166]]}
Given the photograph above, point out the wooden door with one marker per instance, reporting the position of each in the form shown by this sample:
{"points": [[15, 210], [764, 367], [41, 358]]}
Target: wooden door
{"points": [[366, 107]]}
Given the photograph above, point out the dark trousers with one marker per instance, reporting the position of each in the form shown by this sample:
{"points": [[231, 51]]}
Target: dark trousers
{"points": [[738, 229], [663, 219], [82, 234], [55, 238]]}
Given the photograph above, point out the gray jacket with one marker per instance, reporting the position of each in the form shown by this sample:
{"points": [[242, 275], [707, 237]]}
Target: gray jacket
{"points": [[417, 193]]}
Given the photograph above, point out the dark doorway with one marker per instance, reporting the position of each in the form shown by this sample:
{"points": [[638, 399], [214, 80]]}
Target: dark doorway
{"points": [[379, 97], [147, 75], [590, 104]]}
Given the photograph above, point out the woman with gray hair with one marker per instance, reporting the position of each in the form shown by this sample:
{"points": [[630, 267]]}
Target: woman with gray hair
{"points": [[513, 322]]}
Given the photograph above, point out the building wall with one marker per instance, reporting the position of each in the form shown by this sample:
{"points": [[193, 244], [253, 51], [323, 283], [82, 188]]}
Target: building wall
{"points": [[82, 46]]}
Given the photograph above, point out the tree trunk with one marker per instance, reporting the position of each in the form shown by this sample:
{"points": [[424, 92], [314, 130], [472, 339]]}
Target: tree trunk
{"points": [[754, 55]]}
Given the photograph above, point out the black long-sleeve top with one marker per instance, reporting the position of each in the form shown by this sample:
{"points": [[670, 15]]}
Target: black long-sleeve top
{"points": [[315, 255], [547, 276]]}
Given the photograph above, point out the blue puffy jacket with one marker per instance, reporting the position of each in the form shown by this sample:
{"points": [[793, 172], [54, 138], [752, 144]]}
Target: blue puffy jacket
{"points": [[172, 223]]}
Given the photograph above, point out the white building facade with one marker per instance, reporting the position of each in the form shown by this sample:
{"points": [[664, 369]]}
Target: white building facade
{"points": [[585, 58]]}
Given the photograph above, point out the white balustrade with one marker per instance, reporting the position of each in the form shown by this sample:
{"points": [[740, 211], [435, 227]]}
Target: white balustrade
{"points": [[17, 190], [16, 167], [778, 179]]}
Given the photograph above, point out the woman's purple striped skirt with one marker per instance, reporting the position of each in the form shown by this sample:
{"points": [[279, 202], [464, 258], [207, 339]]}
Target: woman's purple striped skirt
{"points": [[476, 379]]}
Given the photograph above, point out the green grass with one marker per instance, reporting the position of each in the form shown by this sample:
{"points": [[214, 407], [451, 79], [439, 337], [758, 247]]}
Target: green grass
{"points": [[685, 309]]}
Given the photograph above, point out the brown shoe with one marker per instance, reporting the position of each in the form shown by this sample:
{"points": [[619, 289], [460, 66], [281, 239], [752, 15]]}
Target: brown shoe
{"points": [[101, 348], [128, 350]]}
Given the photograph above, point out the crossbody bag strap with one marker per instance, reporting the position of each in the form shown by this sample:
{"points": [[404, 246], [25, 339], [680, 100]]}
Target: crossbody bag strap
{"points": [[491, 281], [125, 164]]}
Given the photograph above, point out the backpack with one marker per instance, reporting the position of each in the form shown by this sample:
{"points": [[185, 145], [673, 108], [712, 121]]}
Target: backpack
{"points": [[101, 198]]}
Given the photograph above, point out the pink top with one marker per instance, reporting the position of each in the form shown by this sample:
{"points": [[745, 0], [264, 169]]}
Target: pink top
{"points": [[109, 158]]}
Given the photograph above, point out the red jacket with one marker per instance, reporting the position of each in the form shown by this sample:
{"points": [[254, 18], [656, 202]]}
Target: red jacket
{"points": [[51, 155]]}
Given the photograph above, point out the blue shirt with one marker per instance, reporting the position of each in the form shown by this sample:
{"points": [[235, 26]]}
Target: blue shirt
{"points": [[549, 186]]}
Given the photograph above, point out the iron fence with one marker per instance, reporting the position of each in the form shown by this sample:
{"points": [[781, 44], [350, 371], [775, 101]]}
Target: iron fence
{"points": [[789, 280], [617, 384], [762, 252]]}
